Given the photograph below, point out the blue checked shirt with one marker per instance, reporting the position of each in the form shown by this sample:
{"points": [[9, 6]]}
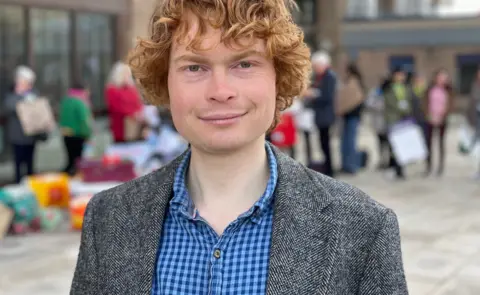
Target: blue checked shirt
{"points": [[193, 259]]}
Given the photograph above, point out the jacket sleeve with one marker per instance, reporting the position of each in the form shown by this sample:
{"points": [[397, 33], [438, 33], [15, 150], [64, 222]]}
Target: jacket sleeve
{"points": [[383, 273], [86, 274], [10, 104]]}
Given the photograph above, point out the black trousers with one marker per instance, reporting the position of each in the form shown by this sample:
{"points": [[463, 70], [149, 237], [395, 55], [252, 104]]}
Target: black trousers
{"points": [[441, 129], [326, 149], [74, 147], [383, 148], [308, 146], [395, 165], [24, 157]]}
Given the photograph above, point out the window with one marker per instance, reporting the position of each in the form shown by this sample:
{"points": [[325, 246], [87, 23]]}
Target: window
{"points": [[404, 62], [95, 49], [12, 45], [467, 67], [362, 8], [51, 50], [12, 53]]}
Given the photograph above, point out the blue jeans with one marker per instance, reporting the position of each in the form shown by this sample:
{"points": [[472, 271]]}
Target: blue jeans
{"points": [[350, 156]]}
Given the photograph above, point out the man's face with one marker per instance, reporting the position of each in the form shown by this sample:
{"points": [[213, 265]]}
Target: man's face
{"points": [[399, 77], [221, 99], [442, 78], [22, 85], [319, 68]]}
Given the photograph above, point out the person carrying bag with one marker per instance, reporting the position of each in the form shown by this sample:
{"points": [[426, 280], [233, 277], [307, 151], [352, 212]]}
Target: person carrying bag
{"points": [[29, 119]]}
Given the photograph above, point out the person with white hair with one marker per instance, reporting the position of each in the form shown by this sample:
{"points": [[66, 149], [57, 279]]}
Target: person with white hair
{"points": [[321, 98], [123, 101], [23, 145]]}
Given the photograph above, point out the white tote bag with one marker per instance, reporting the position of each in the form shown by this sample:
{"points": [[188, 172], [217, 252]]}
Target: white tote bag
{"points": [[408, 143]]}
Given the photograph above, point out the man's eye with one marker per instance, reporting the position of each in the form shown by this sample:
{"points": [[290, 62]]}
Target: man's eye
{"points": [[193, 68], [245, 65]]}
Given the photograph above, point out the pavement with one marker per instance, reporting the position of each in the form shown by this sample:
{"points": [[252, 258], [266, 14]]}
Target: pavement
{"points": [[438, 217]]}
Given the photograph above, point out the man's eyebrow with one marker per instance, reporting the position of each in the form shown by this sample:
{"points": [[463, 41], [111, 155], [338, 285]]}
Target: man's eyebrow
{"points": [[198, 58]]}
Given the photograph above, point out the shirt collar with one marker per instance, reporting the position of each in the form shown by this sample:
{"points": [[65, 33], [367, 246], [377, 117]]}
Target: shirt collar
{"points": [[181, 201]]}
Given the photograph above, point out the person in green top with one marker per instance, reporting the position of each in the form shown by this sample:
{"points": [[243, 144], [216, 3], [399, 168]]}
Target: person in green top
{"points": [[76, 124], [418, 86], [397, 108]]}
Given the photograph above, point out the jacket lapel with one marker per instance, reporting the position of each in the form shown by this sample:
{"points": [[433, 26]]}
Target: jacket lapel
{"points": [[154, 209], [304, 238]]}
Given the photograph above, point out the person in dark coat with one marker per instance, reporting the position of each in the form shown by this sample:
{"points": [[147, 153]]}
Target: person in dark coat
{"points": [[321, 96], [23, 145]]}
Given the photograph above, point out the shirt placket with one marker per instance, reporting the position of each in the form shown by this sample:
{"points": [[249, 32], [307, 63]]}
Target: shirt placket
{"points": [[218, 256]]}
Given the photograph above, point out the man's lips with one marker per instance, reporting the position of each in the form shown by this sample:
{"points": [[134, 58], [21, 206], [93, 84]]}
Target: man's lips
{"points": [[219, 117]]}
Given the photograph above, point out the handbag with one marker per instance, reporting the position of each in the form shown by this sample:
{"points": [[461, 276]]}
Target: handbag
{"points": [[349, 97], [36, 117]]}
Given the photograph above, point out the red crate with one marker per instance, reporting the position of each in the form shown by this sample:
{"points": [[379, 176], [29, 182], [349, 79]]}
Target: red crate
{"points": [[100, 171]]}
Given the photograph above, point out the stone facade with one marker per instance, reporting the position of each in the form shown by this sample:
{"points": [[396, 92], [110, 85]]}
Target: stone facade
{"points": [[432, 44], [141, 12]]}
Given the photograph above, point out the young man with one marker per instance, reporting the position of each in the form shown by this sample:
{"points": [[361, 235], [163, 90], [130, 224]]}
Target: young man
{"points": [[233, 215]]}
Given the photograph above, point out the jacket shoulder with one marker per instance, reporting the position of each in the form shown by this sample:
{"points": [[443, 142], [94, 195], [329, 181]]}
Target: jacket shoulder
{"points": [[347, 201]]}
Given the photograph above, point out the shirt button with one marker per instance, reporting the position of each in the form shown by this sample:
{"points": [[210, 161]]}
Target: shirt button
{"points": [[217, 253]]}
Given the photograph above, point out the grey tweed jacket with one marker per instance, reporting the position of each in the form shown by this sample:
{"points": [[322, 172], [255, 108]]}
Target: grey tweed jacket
{"points": [[328, 238]]}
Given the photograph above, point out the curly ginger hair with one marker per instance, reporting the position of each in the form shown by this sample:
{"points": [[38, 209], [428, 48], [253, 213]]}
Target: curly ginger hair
{"points": [[269, 20]]}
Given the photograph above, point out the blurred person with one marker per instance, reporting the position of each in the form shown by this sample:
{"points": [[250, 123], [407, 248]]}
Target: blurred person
{"points": [[351, 101], [305, 124], [76, 122], [473, 115], [123, 101], [321, 98], [233, 213], [23, 145], [438, 104], [417, 85], [397, 108], [474, 102], [375, 104]]}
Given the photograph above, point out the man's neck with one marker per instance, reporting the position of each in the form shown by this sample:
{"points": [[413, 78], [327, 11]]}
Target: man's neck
{"points": [[228, 184]]}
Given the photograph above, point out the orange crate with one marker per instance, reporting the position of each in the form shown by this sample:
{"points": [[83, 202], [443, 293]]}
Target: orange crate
{"points": [[77, 210]]}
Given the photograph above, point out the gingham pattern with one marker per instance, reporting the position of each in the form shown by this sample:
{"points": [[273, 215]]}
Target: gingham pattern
{"points": [[186, 262]]}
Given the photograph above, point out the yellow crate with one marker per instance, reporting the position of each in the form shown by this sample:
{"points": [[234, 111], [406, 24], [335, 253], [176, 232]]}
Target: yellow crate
{"points": [[51, 189]]}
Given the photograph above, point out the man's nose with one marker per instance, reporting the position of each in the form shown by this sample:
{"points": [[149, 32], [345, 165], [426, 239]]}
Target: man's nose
{"points": [[221, 89]]}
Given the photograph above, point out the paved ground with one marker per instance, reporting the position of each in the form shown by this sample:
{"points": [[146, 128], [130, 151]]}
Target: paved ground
{"points": [[439, 222]]}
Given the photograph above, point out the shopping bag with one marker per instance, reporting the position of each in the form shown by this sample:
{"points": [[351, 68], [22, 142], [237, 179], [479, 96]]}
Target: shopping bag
{"points": [[408, 142], [466, 139], [36, 116]]}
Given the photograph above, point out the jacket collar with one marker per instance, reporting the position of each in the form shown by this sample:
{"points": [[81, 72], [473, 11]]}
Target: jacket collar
{"points": [[298, 206]]}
